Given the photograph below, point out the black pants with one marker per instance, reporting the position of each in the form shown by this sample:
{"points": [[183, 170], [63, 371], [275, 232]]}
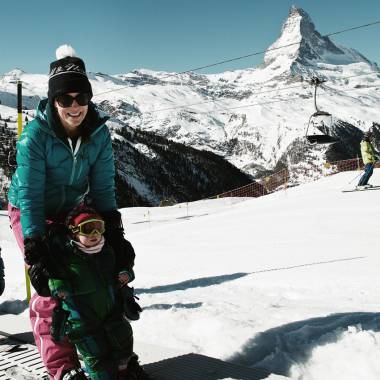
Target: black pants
{"points": [[368, 171]]}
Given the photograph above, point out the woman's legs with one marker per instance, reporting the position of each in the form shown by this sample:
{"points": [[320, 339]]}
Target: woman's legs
{"points": [[368, 171], [59, 357]]}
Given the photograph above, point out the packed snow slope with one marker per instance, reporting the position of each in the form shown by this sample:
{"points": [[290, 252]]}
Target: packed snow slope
{"points": [[288, 281]]}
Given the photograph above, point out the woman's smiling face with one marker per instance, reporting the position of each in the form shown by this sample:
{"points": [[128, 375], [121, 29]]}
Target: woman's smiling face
{"points": [[71, 117]]}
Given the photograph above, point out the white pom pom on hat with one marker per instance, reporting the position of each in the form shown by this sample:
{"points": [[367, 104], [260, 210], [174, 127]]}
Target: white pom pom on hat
{"points": [[65, 51]]}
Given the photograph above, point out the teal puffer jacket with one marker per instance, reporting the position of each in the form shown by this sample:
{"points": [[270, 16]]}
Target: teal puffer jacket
{"points": [[50, 179]]}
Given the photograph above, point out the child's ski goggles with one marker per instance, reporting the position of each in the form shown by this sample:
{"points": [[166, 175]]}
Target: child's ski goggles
{"points": [[90, 227]]}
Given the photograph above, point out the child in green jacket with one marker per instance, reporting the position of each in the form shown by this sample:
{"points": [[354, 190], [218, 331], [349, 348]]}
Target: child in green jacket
{"points": [[94, 297]]}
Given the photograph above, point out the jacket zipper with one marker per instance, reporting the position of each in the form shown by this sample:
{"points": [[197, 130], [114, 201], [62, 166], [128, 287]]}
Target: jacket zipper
{"points": [[74, 153], [74, 156]]}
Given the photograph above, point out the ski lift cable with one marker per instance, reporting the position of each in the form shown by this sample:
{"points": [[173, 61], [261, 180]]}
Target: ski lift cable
{"points": [[297, 97], [325, 86], [359, 75], [281, 100], [276, 48], [241, 57], [219, 100], [248, 55], [254, 93], [230, 108], [316, 82], [307, 97], [353, 28]]}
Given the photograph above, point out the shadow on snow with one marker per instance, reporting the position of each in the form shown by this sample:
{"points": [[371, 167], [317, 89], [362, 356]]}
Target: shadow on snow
{"points": [[168, 306], [279, 348], [194, 283], [13, 307]]}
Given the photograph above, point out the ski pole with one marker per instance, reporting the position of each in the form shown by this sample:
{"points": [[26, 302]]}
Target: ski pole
{"points": [[19, 130], [361, 173]]}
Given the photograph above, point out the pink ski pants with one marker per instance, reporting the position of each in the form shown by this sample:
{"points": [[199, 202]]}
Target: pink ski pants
{"points": [[57, 357]]}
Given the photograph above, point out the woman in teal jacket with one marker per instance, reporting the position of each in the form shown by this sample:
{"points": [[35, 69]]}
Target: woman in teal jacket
{"points": [[64, 156], [55, 172]]}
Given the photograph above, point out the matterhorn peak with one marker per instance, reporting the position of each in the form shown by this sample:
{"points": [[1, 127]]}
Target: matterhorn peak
{"points": [[294, 11], [300, 44], [298, 21]]}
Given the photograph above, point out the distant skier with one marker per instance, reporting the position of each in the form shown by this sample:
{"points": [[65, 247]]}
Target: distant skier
{"points": [[369, 159], [94, 295], [2, 280], [64, 154]]}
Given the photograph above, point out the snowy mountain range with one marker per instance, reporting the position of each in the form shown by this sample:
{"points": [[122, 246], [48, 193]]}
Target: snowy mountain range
{"points": [[254, 118]]}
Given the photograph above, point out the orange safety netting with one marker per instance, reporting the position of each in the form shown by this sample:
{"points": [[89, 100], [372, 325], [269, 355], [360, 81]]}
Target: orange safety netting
{"points": [[280, 180]]}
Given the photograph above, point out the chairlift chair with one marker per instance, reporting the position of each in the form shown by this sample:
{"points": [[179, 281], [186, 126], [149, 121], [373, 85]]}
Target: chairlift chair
{"points": [[320, 122], [317, 131]]}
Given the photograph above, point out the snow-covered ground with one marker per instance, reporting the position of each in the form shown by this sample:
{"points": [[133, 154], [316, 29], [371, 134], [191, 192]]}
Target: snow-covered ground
{"points": [[288, 281]]}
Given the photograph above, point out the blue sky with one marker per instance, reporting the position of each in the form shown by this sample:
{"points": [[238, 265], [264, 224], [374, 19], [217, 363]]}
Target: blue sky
{"points": [[117, 36]]}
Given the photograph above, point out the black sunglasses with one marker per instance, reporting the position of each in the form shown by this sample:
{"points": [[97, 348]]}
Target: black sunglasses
{"points": [[66, 100]]}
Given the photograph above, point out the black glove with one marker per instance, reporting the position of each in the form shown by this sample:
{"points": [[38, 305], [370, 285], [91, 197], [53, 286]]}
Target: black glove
{"points": [[130, 307], [2, 281], [39, 277], [114, 235], [58, 323], [35, 250]]}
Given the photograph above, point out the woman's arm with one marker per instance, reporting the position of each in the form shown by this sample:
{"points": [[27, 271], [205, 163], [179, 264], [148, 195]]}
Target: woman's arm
{"points": [[31, 174]]}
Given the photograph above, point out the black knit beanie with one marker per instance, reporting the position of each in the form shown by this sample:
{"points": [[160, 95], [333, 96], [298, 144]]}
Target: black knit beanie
{"points": [[67, 74]]}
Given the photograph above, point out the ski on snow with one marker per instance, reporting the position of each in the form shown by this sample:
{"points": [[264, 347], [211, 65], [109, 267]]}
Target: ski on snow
{"points": [[365, 189]]}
